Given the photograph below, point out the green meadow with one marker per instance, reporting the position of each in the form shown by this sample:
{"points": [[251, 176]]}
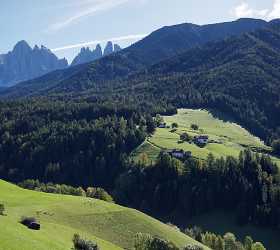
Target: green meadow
{"points": [[113, 227], [226, 137]]}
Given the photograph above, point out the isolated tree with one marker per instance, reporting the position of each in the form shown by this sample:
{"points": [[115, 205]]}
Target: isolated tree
{"points": [[148, 242], [174, 125], [248, 243], [81, 244], [143, 159], [194, 127], [185, 137], [220, 243], [258, 246], [142, 241], [2, 209], [159, 119], [230, 241], [150, 125]]}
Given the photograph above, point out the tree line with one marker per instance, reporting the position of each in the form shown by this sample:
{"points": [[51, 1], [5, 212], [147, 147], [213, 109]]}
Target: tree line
{"points": [[248, 186]]}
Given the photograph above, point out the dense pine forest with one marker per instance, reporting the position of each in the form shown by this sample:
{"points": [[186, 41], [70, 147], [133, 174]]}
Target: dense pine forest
{"points": [[248, 186]]}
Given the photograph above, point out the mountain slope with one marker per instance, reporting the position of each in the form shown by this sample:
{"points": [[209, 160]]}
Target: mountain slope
{"points": [[24, 63], [173, 40], [160, 45], [239, 76], [111, 226]]}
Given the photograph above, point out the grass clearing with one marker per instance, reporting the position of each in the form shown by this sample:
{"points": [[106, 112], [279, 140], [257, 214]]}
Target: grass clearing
{"points": [[228, 138], [113, 227]]}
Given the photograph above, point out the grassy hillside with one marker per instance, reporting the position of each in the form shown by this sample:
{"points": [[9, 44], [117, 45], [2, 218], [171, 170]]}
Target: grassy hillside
{"points": [[228, 137], [110, 225]]}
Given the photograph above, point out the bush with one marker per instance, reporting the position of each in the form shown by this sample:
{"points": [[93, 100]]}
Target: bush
{"points": [[81, 244], [258, 246], [148, 242], [99, 193], [185, 137], [192, 247], [194, 127], [2, 209], [174, 125]]}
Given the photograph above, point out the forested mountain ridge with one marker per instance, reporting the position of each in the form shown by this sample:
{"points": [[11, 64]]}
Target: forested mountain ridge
{"points": [[173, 40], [161, 44], [239, 76]]}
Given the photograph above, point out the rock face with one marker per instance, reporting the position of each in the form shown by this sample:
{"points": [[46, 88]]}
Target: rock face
{"points": [[24, 63], [117, 48], [86, 55], [109, 49]]}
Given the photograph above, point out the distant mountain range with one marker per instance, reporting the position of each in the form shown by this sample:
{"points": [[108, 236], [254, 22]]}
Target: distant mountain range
{"points": [[159, 45], [239, 74], [86, 55], [24, 63]]}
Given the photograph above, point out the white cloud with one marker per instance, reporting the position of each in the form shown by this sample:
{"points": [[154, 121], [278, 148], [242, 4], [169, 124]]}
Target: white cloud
{"points": [[114, 39], [90, 8], [275, 13], [245, 10], [87, 8]]}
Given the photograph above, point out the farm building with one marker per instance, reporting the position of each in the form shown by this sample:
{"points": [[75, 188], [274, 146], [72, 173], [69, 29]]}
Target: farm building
{"points": [[179, 153], [162, 125], [201, 139]]}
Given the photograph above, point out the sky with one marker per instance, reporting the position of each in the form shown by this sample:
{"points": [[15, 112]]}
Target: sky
{"points": [[64, 26]]}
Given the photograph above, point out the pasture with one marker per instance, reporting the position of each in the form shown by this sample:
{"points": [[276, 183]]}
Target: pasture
{"points": [[113, 227]]}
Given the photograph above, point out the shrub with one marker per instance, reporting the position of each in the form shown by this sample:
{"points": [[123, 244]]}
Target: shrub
{"points": [[148, 242], [192, 247], [185, 137], [82, 244], [194, 127], [174, 125], [99, 193], [158, 119], [2, 209], [258, 246]]}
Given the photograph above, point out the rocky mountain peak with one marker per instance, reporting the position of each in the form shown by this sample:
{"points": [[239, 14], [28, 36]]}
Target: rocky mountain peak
{"points": [[86, 55], [24, 63], [22, 47], [108, 49]]}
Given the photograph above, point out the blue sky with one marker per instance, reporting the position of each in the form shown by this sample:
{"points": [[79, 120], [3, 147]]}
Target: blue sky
{"points": [[67, 24]]}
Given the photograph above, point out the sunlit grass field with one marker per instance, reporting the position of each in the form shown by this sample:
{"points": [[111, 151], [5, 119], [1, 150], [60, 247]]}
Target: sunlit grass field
{"points": [[113, 227], [228, 138]]}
